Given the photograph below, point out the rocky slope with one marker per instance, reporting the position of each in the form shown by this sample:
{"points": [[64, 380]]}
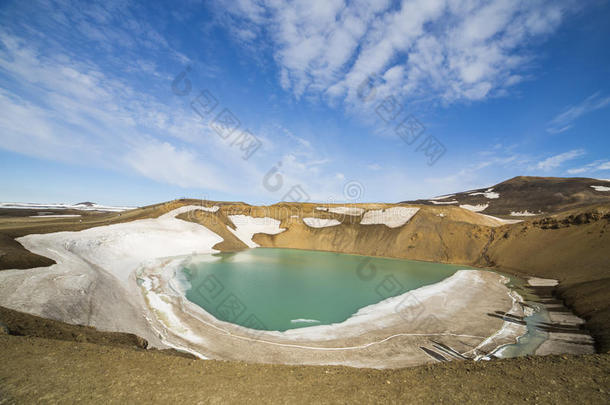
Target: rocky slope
{"points": [[527, 196]]}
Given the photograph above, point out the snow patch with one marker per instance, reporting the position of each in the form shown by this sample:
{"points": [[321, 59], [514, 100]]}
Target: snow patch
{"points": [[502, 220], [443, 202], [488, 194], [525, 213], [391, 217], [81, 207], [120, 248], [247, 226], [355, 211], [601, 188], [475, 208], [320, 222], [210, 209], [542, 282], [165, 314], [97, 267]]}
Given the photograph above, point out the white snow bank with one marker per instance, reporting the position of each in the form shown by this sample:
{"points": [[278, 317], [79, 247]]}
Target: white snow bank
{"points": [[355, 211], [475, 208], [542, 282], [247, 226], [320, 222], [601, 188], [213, 208], [391, 217], [443, 202], [162, 305], [488, 194], [322, 208], [525, 213], [120, 248], [93, 280]]}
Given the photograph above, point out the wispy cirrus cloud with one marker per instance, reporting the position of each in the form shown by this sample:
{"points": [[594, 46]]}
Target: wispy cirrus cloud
{"points": [[596, 166], [556, 161], [447, 50], [566, 119], [75, 112]]}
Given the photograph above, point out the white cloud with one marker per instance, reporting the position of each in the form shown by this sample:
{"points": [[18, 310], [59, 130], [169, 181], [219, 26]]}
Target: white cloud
{"points": [[75, 113], [451, 50], [165, 163], [565, 120], [72, 112], [595, 166], [554, 162]]}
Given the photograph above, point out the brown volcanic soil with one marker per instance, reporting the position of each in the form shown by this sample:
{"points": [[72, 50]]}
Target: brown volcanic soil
{"points": [[572, 247], [14, 256], [544, 195], [37, 370], [17, 323]]}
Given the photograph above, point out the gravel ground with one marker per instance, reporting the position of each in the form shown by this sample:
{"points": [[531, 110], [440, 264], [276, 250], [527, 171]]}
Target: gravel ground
{"points": [[35, 370]]}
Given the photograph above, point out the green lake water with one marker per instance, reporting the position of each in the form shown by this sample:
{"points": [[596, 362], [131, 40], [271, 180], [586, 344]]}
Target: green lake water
{"points": [[280, 289]]}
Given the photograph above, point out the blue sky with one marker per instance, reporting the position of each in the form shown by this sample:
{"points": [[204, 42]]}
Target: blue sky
{"points": [[99, 101]]}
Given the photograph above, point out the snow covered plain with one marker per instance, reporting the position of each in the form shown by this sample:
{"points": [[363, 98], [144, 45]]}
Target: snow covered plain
{"points": [[81, 207]]}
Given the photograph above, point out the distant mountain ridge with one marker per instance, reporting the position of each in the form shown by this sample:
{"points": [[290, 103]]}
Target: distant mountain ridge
{"points": [[525, 196]]}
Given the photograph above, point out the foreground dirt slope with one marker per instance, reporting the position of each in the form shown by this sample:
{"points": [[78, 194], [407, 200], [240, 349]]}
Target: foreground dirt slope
{"points": [[17, 323], [49, 371]]}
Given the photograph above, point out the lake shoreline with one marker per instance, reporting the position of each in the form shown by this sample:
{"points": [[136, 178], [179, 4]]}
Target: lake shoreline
{"points": [[364, 340]]}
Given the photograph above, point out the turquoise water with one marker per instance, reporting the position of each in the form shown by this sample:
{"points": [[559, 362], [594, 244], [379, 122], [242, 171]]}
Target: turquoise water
{"points": [[528, 343], [280, 289]]}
